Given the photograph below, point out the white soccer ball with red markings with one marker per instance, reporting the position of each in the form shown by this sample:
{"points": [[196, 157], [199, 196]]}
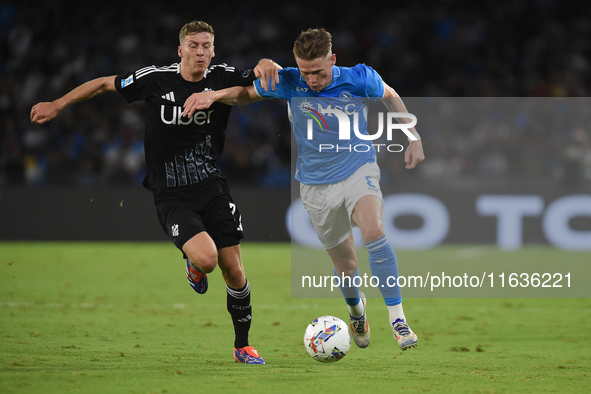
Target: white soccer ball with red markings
{"points": [[327, 339]]}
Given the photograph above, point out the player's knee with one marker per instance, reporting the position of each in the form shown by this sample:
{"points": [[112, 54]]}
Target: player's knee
{"points": [[206, 262], [347, 269], [372, 232], [234, 276]]}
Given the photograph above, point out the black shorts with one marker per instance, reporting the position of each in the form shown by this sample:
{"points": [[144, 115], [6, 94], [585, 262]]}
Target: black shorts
{"points": [[209, 208]]}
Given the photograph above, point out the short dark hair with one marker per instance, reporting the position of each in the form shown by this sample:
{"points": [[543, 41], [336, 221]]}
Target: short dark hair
{"points": [[313, 44], [195, 27]]}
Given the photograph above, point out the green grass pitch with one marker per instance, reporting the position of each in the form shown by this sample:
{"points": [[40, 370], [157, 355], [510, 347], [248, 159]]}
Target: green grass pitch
{"points": [[121, 318]]}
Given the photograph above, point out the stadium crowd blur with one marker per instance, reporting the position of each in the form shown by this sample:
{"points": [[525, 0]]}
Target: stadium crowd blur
{"points": [[535, 48]]}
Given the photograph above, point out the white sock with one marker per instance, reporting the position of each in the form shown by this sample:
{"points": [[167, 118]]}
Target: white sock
{"points": [[356, 310], [395, 312]]}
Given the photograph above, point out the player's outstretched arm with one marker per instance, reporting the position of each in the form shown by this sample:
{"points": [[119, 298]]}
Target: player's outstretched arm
{"points": [[267, 71], [236, 95], [414, 153], [44, 112]]}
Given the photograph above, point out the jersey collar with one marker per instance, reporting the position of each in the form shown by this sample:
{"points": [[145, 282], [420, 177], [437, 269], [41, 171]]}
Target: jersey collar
{"points": [[336, 72]]}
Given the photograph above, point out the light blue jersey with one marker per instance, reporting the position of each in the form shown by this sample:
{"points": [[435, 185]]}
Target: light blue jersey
{"points": [[323, 158]]}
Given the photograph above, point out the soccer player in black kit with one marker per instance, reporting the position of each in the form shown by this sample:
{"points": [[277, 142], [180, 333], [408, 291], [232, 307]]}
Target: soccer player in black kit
{"points": [[191, 194]]}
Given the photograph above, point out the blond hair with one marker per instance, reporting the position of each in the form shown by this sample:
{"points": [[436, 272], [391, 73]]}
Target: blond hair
{"points": [[195, 27], [313, 44]]}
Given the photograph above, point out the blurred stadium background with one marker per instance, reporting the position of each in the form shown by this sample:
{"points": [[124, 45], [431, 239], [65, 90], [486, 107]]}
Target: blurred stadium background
{"points": [[79, 176]]}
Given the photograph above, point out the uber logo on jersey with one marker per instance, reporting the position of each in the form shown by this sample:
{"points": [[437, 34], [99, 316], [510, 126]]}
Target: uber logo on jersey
{"points": [[175, 118]]}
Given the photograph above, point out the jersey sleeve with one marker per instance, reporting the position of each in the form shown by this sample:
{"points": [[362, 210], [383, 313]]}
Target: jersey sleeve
{"points": [[134, 86], [279, 91], [374, 85], [232, 76]]}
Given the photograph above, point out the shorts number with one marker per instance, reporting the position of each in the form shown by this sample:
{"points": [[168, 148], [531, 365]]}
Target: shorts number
{"points": [[233, 208], [370, 183]]}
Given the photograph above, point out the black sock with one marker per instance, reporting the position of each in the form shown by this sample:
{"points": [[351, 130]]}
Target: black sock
{"points": [[241, 312]]}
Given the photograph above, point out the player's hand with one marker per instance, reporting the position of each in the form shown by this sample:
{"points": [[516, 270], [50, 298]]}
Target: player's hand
{"points": [[267, 70], [198, 101], [414, 154], [44, 112]]}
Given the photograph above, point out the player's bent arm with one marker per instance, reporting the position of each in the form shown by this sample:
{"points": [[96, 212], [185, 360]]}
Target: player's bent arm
{"points": [[267, 71], [44, 112], [394, 103], [414, 153], [239, 95], [236, 95]]}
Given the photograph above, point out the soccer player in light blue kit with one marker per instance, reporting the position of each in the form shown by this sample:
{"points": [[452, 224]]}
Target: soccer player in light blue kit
{"points": [[339, 186]]}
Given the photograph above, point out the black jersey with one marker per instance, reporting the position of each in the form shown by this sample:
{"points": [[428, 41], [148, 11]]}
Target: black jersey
{"points": [[180, 152]]}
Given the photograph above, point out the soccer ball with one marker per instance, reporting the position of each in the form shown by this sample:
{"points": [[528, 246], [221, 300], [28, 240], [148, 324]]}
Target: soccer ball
{"points": [[327, 339]]}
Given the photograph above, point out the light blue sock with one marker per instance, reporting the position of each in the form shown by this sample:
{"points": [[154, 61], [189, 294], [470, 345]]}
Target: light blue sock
{"points": [[383, 263], [350, 292]]}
